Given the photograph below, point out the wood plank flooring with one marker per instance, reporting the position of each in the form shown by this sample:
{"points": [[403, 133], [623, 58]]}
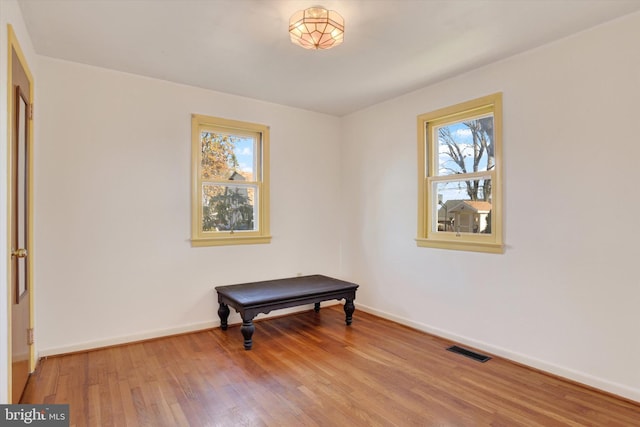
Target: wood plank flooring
{"points": [[309, 369]]}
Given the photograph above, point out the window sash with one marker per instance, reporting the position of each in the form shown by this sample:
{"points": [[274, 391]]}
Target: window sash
{"points": [[257, 172], [432, 141], [255, 137], [431, 186], [234, 204]]}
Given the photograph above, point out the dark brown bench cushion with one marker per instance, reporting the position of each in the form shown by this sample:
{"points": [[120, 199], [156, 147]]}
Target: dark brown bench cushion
{"points": [[258, 293]]}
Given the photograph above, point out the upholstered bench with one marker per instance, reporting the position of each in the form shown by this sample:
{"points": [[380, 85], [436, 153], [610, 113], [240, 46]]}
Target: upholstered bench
{"points": [[250, 299]]}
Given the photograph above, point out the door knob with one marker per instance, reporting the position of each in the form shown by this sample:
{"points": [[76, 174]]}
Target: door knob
{"points": [[19, 253]]}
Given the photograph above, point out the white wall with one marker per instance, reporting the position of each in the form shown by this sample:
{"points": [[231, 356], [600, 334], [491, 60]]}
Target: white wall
{"points": [[9, 14], [113, 194], [565, 296]]}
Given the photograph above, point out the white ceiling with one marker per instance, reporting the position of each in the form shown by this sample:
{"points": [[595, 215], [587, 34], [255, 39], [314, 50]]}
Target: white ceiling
{"points": [[242, 46]]}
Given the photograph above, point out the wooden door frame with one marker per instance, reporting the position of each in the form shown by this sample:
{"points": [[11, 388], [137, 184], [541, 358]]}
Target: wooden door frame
{"points": [[14, 45]]}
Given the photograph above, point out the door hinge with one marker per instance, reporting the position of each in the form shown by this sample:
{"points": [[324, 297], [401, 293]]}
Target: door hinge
{"points": [[31, 111], [30, 336]]}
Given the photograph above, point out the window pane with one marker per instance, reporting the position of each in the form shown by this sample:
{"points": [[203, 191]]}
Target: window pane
{"points": [[466, 146], [224, 156], [229, 207], [463, 206]]}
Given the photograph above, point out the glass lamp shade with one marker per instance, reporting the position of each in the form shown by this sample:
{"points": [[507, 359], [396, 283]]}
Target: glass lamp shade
{"points": [[316, 28]]}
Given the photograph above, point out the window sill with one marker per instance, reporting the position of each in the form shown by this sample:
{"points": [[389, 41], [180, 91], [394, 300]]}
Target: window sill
{"points": [[225, 241], [494, 248]]}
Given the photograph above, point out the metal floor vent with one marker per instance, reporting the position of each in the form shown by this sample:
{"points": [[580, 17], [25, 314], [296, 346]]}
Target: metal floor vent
{"points": [[468, 353]]}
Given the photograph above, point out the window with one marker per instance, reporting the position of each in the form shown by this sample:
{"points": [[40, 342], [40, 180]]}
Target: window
{"points": [[460, 176], [230, 184]]}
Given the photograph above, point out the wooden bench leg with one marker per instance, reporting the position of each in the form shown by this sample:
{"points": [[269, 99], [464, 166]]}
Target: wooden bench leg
{"points": [[349, 308], [316, 307], [223, 313], [247, 330]]}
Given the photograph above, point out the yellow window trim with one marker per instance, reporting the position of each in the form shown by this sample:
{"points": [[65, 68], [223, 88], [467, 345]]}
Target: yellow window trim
{"points": [[201, 238], [427, 161], [461, 246], [229, 240]]}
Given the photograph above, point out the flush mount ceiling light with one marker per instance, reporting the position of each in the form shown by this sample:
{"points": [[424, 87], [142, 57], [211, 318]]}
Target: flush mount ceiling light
{"points": [[316, 28]]}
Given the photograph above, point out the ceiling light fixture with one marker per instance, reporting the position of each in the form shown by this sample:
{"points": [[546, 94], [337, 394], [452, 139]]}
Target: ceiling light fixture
{"points": [[316, 28]]}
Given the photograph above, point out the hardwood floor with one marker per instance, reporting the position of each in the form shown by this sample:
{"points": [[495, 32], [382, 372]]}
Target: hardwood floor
{"points": [[309, 369]]}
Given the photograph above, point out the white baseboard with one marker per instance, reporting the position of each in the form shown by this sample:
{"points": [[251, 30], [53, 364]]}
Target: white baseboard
{"points": [[108, 342], [561, 371], [234, 318]]}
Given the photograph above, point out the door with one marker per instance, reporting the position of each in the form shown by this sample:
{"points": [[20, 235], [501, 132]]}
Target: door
{"points": [[20, 233]]}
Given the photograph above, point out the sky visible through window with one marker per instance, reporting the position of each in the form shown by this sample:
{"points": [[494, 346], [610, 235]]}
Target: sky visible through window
{"points": [[245, 154]]}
